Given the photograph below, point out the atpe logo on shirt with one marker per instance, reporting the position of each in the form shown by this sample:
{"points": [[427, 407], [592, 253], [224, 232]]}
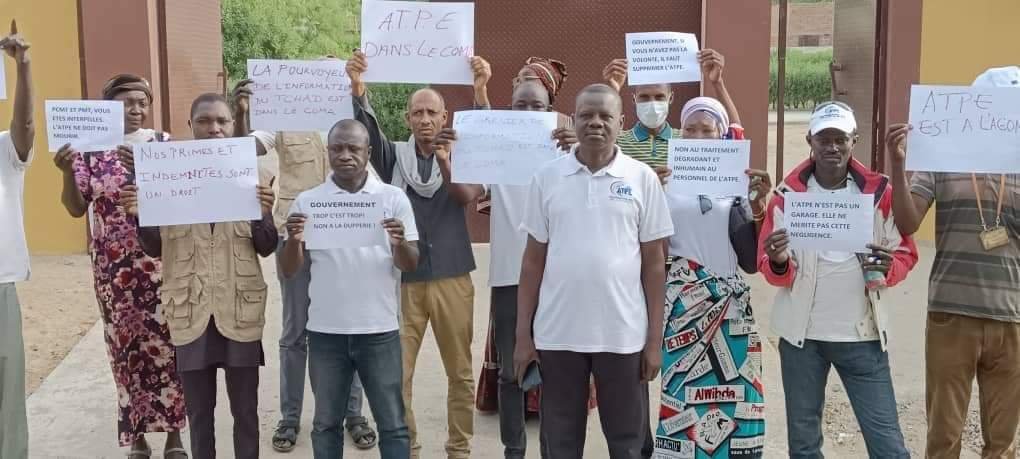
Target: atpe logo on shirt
{"points": [[621, 190]]}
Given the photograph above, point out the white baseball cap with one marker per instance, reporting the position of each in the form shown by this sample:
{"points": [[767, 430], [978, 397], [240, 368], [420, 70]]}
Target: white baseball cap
{"points": [[832, 115], [999, 77]]}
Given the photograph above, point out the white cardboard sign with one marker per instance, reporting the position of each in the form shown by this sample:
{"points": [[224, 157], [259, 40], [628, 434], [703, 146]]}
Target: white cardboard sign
{"points": [[964, 129], [709, 167], [344, 221], [197, 181], [88, 125], [662, 57], [292, 95], [820, 222], [502, 147], [418, 42]]}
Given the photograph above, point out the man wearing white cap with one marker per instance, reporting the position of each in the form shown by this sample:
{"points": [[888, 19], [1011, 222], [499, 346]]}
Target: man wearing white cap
{"points": [[827, 308], [973, 324]]}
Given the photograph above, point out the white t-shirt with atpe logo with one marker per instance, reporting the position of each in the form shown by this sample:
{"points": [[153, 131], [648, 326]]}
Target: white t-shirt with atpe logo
{"points": [[13, 250], [591, 298]]}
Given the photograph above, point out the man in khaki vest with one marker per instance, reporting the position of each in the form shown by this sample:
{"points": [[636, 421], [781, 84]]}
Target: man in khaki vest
{"points": [[303, 165], [214, 298]]}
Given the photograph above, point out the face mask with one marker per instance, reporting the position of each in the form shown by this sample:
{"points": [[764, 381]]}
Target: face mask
{"points": [[652, 114]]}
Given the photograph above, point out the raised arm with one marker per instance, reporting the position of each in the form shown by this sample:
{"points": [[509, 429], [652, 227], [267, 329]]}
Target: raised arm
{"points": [[22, 125], [909, 208], [383, 152], [712, 63]]}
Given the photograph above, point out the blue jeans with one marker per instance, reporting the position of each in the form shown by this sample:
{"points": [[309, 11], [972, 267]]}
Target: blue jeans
{"points": [[864, 369], [332, 362], [294, 347]]}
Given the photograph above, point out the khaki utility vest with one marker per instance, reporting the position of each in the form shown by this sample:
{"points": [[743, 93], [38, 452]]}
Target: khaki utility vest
{"points": [[304, 165], [212, 273]]}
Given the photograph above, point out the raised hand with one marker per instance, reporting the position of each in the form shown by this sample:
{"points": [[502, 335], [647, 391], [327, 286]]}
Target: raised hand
{"points": [[615, 74], [16, 45], [896, 142], [712, 63], [356, 67], [241, 96]]}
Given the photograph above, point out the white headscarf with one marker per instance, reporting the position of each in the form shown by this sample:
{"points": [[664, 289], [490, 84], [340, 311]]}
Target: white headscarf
{"points": [[708, 105]]}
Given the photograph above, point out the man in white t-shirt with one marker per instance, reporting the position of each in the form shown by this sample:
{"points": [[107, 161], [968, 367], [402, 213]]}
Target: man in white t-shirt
{"points": [[591, 284], [303, 165], [353, 324], [15, 155]]}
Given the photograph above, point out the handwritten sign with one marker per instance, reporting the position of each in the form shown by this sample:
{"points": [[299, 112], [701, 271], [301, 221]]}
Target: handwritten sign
{"points": [[830, 221], [197, 181], [501, 147], [964, 129], [662, 57], [344, 221], [293, 95], [418, 42], [709, 167], [88, 125]]}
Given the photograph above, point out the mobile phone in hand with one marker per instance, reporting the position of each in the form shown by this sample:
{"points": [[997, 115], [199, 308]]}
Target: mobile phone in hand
{"points": [[532, 377]]}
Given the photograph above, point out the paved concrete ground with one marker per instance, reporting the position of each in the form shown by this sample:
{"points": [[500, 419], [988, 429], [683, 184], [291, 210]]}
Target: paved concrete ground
{"points": [[72, 413]]}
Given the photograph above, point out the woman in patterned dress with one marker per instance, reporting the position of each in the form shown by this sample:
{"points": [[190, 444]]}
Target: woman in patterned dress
{"points": [[712, 402], [127, 281]]}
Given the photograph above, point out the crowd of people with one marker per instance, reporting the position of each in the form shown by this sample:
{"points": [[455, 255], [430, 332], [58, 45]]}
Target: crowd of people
{"points": [[601, 282]]}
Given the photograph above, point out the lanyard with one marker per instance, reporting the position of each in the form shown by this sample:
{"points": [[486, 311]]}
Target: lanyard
{"points": [[977, 195]]}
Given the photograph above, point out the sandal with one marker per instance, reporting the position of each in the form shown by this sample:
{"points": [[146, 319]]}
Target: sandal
{"points": [[285, 438], [181, 451], [145, 453], [362, 434]]}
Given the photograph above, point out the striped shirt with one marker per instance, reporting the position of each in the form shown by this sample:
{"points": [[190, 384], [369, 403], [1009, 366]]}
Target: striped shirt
{"points": [[966, 279], [641, 145]]}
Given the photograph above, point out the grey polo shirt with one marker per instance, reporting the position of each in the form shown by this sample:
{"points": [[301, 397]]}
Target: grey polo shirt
{"points": [[443, 239]]}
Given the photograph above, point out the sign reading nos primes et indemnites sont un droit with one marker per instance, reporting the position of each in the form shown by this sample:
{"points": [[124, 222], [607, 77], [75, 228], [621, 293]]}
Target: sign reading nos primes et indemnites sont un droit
{"points": [[197, 181]]}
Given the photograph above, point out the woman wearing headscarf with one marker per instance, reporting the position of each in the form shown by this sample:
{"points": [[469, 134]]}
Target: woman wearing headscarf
{"points": [[711, 394], [126, 280]]}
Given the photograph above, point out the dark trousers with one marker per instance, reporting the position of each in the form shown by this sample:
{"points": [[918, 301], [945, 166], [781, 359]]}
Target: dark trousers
{"points": [[512, 400], [332, 362], [200, 397], [623, 402]]}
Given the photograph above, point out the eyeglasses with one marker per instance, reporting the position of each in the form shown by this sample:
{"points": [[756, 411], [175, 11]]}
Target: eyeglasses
{"points": [[833, 102]]}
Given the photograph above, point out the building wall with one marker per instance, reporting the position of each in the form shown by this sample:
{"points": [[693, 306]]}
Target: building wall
{"points": [[194, 57], [990, 30], [806, 22], [53, 33]]}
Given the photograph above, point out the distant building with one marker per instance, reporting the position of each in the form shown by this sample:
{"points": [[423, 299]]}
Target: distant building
{"points": [[809, 24]]}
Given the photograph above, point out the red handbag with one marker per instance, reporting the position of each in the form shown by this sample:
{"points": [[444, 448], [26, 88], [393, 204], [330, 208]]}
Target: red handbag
{"points": [[487, 393]]}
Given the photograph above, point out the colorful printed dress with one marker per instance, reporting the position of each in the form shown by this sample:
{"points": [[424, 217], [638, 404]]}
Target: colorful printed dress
{"points": [[127, 288], [712, 396]]}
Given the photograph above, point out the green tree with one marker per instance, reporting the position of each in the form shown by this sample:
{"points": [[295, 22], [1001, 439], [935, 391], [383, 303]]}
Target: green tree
{"points": [[304, 29]]}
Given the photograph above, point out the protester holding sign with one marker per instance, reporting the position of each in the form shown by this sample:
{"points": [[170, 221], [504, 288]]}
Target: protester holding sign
{"points": [[973, 296], [711, 338], [15, 156], [214, 298], [303, 165], [827, 310], [353, 319], [590, 297], [647, 141], [126, 279], [440, 289], [531, 93]]}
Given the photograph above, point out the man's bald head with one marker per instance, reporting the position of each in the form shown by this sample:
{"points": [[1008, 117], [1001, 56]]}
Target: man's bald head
{"points": [[347, 131], [426, 95]]}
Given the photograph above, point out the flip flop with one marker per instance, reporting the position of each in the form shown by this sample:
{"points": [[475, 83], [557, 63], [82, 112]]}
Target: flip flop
{"points": [[285, 438], [170, 451], [362, 434], [146, 453]]}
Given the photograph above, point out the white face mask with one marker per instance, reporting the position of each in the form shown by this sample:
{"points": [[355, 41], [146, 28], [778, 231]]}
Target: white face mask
{"points": [[652, 114]]}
